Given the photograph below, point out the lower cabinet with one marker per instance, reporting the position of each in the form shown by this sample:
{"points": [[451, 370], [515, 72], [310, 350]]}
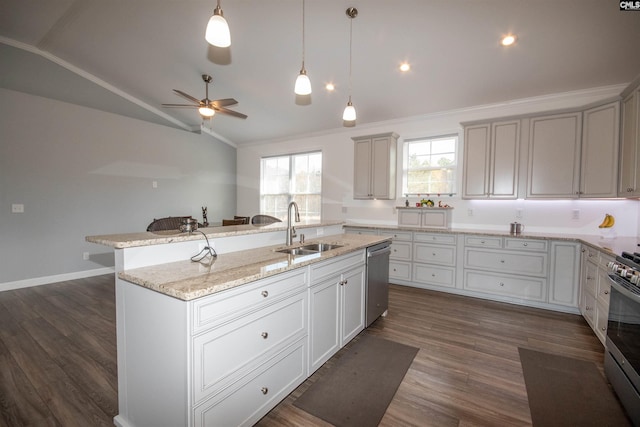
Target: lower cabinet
{"points": [[595, 290], [336, 306]]}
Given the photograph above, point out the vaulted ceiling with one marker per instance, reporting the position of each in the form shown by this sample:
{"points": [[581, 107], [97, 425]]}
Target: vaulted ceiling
{"points": [[126, 56]]}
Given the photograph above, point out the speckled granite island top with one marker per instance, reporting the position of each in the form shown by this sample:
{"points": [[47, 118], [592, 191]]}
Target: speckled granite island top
{"points": [[187, 280], [146, 238], [613, 246]]}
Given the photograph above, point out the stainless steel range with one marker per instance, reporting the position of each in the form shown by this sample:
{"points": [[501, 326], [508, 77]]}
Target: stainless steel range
{"points": [[622, 356]]}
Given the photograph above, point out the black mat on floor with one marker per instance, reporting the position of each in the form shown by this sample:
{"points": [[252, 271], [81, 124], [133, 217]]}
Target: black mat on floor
{"points": [[568, 392], [357, 389]]}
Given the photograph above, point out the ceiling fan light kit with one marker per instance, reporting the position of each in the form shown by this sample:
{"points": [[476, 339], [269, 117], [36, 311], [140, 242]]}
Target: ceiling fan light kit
{"points": [[303, 83], [349, 114], [217, 33]]}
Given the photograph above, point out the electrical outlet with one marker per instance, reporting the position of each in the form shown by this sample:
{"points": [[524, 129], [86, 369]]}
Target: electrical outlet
{"points": [[518, 213], [85, 256], [17, 208], [469, 212], [575, 214], [154, 184]]}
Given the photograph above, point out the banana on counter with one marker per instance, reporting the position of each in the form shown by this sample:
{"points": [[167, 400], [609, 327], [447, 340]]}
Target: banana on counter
{"points": [[607, 222]]}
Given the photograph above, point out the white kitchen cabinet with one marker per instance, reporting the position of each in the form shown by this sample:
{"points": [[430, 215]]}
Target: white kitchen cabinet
{"points": [[599, 154], [595, 290], [336, 306], [554, 156], [375, 166], [438, 218], [564, 282], [434, 260], [491, 159], [629, 181]]}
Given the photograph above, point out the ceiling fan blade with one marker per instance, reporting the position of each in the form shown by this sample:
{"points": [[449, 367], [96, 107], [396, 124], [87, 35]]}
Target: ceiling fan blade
{"points": [[224, 102], [187, 96], [223, 110], [181, 105]]}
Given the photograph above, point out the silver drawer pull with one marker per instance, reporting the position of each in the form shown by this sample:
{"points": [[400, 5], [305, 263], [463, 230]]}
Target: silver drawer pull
{"points": [[604, 329], [501, 284], [433, 274], [265, 335], [502, 261], [264, 390], [525, 244], [482, 241], [606, 292], [346, 281], [341, 282], [265, 294]]}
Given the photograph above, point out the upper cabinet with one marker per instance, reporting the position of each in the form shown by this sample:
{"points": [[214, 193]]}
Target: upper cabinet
{"points": [[375, 166], [554, 156], [599, 158], [629, 184], [491, 157]]}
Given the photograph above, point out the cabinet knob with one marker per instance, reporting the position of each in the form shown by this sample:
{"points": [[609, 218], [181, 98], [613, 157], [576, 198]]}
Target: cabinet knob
{"points": [[265, 335], [394, 269], [346, 281], [434, 254], [265, 294], [525, 244], [606, 292], [341, 283], [603, 329], [502, 261], [264, 390], [589, 278], [501, 284], [482, 241]]}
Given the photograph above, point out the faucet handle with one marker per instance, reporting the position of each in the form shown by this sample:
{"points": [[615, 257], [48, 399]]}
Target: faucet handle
{"points": [[301, 238], [293, 231]]}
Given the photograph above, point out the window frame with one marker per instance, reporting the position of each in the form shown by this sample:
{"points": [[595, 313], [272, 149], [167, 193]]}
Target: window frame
{"points": [[291, 193], [454, 168]]}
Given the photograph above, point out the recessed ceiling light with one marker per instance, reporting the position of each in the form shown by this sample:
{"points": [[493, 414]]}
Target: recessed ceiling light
{"points": [[405, 67], [508, 40], [330, 87]]}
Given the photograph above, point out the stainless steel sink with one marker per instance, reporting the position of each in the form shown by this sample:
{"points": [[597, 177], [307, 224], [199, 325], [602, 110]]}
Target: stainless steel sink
{"points": [[297, 251], [321, 247]]}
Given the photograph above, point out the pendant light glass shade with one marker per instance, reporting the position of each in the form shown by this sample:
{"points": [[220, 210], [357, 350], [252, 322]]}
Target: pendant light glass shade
{"points": [[217, 32], [349, 114], [206, 112], [303, 83]]}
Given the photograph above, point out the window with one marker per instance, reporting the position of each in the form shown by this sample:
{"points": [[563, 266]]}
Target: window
{"points": [[429, 165], [295, 177]]}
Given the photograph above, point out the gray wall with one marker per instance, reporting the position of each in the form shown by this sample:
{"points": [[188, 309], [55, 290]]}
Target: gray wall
{"points": [[80, 172]]}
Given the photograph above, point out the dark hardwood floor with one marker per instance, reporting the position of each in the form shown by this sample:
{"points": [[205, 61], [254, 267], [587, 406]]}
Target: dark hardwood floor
{"points": [[58, 357]]}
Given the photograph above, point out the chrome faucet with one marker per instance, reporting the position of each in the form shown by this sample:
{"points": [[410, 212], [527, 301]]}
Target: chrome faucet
{"points": [[291, 230]]}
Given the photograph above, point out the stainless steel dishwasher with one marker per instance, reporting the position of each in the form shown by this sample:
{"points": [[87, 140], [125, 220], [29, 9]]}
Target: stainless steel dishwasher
{"points": [[377, 292]]}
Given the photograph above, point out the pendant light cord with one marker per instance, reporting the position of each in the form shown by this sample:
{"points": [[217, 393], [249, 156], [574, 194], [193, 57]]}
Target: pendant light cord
{"points": [[350, 52], [303, 38]]}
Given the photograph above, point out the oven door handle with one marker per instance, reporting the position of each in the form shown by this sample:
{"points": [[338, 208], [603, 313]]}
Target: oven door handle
{"points": [[626, 292]]}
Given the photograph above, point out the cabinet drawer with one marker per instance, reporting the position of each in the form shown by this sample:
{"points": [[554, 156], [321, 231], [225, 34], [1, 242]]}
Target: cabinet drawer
{"points": [[604, 260], [227, 305], [442, 255], [508, 262], [590, 282], [254, 396], [399, 270], [433, 275], [604, 288], [397, 235], [330, 266], [526, 244], [440, 238], [602, 321], [360, 231], [401, 251], [588, 306], [589, 253], [235, 347], [483, 241], [528, 288]]}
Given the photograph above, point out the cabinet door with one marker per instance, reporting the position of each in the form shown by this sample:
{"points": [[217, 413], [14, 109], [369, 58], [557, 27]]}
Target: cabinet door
{"points": [[505, 152], [629, 159], [362, 169], [324, 325], [352, 304], [554, 156], [565, 266], [383, 168], [476, 162], [599, 158]]}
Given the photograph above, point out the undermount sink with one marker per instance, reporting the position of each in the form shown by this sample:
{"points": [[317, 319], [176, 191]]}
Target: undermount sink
{"points": [[297, 251], [321, 247], [309, 249]]}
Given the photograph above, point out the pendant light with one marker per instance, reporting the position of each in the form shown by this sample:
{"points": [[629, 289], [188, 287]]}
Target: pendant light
{"points": [[217, 32], [349, 115], [303, 84]]}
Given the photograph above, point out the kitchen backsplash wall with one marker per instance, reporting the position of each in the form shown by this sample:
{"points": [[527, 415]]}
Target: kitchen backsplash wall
{"points": [[338, 203]]}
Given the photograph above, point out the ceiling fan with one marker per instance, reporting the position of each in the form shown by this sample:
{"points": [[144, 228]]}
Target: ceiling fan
{"points": [[207, 107]]}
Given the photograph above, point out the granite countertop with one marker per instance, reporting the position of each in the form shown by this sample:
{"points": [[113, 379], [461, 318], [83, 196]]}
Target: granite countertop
{"points": [[147, 238], [613, 246], [187, 280]]}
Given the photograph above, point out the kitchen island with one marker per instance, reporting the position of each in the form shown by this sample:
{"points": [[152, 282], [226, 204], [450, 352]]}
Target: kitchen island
{"points": [[222, 341]]}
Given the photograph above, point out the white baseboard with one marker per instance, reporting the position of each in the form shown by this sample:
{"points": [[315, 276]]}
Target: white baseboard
{"points": [[27, 283]]}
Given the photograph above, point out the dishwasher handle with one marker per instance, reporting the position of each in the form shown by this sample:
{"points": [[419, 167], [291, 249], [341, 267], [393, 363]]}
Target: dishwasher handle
{"points": [[379, 252]]}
